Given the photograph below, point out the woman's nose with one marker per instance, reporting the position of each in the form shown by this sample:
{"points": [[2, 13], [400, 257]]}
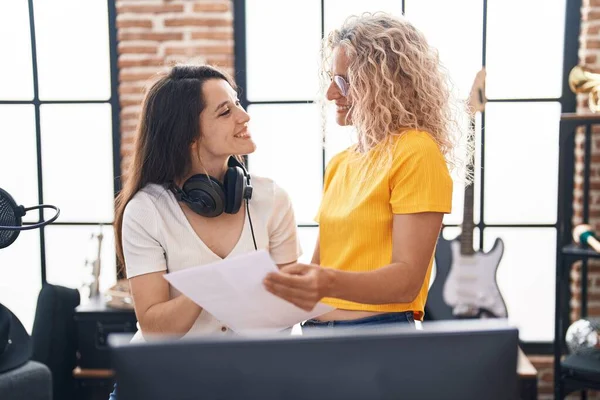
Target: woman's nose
{"points": [[244, 116], [333, 92]]}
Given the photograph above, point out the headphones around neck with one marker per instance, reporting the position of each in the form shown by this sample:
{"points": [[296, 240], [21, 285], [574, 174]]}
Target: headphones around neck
{"points": [[206, 196]]}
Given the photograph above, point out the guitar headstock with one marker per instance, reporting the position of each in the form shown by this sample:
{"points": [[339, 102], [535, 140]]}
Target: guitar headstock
{"points": [[477, 98]]}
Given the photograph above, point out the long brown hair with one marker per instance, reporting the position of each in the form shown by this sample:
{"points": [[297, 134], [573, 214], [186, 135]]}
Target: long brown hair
{"points": [[169, 123]]}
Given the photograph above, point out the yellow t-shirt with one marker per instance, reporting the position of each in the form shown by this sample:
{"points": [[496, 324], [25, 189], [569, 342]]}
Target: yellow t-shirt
{"points": [[356, 214]]}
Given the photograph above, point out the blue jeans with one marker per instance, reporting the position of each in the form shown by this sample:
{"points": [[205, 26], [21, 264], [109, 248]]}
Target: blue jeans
{"points": [[385, 319]]}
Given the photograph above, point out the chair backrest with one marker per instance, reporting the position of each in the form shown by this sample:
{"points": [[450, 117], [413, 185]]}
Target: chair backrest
{"points": [[54, 337]]}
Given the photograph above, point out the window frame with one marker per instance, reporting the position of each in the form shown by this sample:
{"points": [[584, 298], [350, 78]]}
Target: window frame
{"points": [[113, 100]]}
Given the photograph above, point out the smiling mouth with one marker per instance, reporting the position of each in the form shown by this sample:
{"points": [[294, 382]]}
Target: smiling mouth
{"points": [[342, 108], [242, 135]]}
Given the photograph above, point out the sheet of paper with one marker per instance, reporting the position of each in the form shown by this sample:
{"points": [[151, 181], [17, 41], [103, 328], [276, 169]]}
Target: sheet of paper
{"points": [[233, 292]]}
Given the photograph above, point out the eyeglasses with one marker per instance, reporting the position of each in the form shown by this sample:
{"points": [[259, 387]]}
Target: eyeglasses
{"points": [[341, 83]]}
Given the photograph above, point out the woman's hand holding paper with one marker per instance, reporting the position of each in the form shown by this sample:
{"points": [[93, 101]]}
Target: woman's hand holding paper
{"points": [[303, 285]]}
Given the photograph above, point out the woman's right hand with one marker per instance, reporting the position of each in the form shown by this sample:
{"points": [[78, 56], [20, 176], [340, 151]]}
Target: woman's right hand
{"points": [[303, 285]]}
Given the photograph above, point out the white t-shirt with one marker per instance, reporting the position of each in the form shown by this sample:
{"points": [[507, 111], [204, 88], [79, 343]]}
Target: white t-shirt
{"points": [[158, 237]]}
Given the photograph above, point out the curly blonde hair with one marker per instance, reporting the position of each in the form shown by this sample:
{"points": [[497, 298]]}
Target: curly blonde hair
{"points": [[396, 83]]}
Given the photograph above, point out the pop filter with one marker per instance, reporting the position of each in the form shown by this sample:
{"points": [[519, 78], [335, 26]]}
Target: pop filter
{"points": [[10, 219]]}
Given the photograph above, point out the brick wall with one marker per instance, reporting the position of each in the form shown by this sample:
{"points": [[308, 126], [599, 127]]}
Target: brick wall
{"points": [[155, 34]]}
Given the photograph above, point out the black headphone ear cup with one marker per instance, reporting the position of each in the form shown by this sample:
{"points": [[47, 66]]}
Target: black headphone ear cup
{"points": [[234, 182], [204, 195]]}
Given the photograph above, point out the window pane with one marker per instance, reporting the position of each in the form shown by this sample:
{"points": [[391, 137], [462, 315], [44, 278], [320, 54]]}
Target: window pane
{"points": [[16, 78], [308, 240], [18, 163], [78, 181], [72, 49], [452, 232], [289, 151], [293, 30], [337, 138], [336, 11], [526, 278], [69, 248], [20, 276], [524, 61], [521, 170], [459, 39]]}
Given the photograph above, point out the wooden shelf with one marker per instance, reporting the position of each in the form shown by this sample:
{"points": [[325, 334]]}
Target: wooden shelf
{"points": [[581, 116], [79, 373], [525, 368]]}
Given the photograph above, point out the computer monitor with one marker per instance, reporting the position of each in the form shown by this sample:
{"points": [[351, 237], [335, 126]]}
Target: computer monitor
{"points": [[446, 360]]}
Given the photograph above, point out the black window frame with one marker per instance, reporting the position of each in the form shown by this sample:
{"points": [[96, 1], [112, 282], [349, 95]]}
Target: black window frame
{"points": [[37, 103]]}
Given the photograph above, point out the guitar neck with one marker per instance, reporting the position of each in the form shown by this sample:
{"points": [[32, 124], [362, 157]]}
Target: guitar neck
{"points": [[476, 104], [468, 226]]}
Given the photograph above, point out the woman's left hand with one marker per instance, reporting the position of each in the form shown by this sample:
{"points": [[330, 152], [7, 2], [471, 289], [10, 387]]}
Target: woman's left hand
{"points": [[301, 284]]}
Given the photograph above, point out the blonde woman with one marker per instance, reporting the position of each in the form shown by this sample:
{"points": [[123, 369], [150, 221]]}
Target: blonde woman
{"points": [[385, 197]]}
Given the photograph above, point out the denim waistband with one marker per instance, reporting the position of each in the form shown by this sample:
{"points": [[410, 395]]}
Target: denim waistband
{"points": [[379, 319]]}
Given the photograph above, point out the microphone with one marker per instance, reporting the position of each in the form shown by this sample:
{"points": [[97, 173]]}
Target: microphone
{"points": [[583, 234], [10, 218]]}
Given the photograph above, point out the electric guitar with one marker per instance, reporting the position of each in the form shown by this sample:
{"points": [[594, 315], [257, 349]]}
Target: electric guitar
{"points": [[465, 284]]}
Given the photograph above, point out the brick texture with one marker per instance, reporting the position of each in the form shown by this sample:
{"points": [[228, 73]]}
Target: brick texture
{"points": [[155, 34]]}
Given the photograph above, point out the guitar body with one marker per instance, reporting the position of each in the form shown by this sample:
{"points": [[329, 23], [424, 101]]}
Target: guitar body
{"points": [[465, 283], [471, 282], [436, 307]]}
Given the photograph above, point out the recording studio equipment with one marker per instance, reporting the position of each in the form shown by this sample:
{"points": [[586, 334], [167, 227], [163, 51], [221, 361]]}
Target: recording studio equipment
{"points": [[394, 363], [10, 218], [583, 334], [207, 196], [583, 234], [583, 80]]}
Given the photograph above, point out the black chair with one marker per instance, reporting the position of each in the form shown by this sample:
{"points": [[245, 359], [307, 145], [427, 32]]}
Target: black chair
{"points": [[31, 381], [54, 337]]}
